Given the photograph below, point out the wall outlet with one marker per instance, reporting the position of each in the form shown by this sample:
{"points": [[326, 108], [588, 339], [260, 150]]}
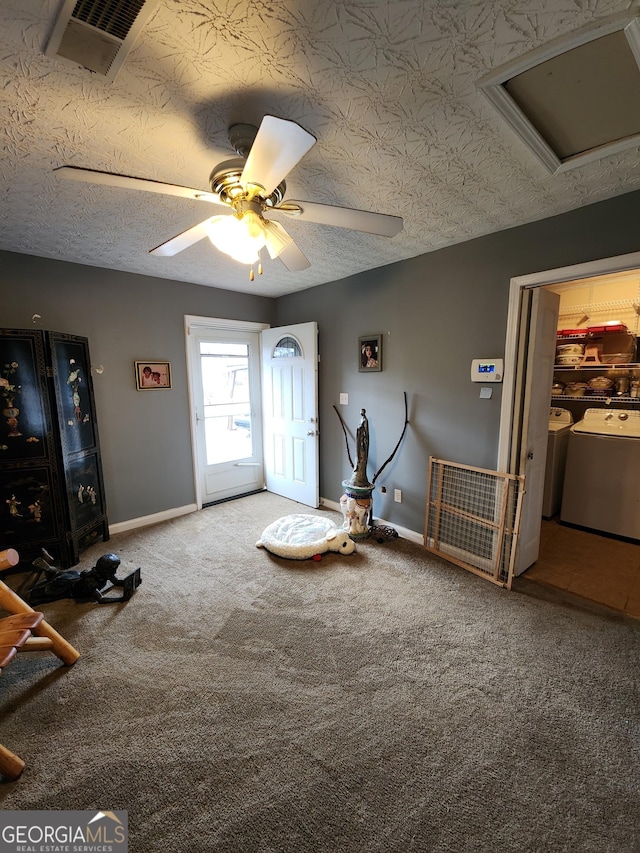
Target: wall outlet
{"points": [[344, 399], [397, 495]]}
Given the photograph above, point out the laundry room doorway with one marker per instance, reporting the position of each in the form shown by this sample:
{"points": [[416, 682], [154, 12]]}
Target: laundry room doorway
{"points": [[520, 406]]}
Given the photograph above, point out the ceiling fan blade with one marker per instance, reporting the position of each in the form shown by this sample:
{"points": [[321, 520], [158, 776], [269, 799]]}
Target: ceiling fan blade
{"points": [[278, 146], [110, 179], [382, 224], [293, 259], [183, 240]]}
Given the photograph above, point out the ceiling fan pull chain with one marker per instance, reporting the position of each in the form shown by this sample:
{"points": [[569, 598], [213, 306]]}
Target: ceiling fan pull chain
{"points": [[251, 275], [259, 267]]}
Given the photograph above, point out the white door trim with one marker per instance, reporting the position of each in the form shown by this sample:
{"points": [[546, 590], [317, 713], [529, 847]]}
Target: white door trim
{"points": [[193, 321], [221, 323], [603, 266]]}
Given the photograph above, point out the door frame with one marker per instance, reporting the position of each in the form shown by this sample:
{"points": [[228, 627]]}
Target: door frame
{"points": [[510, 391], [193, 321]]}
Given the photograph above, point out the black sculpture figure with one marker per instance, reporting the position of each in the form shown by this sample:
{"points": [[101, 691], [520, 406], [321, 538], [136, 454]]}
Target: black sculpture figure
{"points": [[359, 477], [361, 454], [92, 583]]}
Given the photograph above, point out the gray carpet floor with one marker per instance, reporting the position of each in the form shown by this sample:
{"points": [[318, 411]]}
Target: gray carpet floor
{"points": [[386, 701]]}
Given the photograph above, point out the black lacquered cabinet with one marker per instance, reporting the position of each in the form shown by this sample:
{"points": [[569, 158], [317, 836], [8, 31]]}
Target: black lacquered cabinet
{"points": [[51, 485]]}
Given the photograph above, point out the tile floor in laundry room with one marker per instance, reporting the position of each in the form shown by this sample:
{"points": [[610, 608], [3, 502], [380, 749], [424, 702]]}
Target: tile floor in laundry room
{"points": [[597, 568]]}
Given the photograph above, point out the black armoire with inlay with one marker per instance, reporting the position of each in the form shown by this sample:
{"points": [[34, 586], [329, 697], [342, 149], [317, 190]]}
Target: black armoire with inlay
{"points": [[51, 485]]}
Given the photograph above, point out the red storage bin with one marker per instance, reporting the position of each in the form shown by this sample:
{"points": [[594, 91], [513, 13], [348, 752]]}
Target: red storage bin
{"points": [[606, 328]]}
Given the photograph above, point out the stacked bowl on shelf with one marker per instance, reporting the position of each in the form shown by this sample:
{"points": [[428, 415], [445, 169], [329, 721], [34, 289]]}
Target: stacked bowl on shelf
{"points": [[568, 355]]}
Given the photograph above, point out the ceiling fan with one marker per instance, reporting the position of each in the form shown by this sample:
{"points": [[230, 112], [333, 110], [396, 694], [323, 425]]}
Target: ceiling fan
{"points": [[251, 190]]}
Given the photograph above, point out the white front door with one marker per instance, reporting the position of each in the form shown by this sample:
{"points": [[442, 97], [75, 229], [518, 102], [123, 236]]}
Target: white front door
{"points": [[290, 411], [531, 448], [226, 412]]}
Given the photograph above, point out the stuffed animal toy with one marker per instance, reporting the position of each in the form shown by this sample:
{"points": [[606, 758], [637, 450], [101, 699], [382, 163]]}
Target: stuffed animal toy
{"points": [[300, 537]]}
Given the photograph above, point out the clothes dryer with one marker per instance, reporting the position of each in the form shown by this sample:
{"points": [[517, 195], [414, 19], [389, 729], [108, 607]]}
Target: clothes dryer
{"points": [[560, 421], [602, 476]]}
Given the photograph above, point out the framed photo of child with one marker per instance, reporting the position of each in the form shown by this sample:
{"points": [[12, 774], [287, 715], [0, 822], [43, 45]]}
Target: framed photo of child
{"points": [[151, 375]]}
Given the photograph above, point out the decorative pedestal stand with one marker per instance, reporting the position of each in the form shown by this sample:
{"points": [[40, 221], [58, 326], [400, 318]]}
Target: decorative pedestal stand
{"points": [[355, 504], [356, 508]]}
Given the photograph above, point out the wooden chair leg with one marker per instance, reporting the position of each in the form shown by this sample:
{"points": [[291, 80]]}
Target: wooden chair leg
{"points": [[9, 558], [59, 646], [46, 638], [12, 602], [11, 766]]}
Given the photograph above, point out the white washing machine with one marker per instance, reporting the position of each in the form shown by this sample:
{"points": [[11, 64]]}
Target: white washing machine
{"points": [[560, 421], [602, 474]]}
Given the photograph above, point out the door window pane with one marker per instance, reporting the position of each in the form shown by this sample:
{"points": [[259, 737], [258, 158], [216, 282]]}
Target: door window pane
{"points": [[287, 348], [227, 407]]}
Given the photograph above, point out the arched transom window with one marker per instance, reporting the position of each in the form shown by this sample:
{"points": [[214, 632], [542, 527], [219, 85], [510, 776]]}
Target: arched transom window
{"points": [[287, 347]]}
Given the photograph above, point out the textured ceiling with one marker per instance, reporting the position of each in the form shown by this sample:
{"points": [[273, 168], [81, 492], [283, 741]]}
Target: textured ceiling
{"points": [[389, 89]]}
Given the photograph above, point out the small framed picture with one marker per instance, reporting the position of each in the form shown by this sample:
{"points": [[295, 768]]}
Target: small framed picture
{"points": [[152, 375], [370, 353]]}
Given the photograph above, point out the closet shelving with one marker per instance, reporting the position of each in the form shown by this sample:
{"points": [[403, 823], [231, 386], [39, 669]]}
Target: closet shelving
{"points": [[589, 310], [596, 398], [589, 368], [627, 310]]}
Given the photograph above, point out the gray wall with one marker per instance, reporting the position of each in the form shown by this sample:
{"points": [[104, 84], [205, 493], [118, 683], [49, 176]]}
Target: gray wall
{"points": [[145, 436], [436, 313]]}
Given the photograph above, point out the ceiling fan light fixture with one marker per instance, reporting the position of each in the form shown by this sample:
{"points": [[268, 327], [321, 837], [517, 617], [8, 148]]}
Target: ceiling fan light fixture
{"points": [[277, 239], [226, 181], [241, 236]]}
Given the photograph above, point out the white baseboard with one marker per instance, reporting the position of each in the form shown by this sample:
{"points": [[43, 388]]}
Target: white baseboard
{"points": [[145, 520], [176, 512], [404, 532], [330, 504]]}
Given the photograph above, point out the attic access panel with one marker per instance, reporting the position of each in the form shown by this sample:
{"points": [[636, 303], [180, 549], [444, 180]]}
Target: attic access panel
{"points": [[576, 100]]}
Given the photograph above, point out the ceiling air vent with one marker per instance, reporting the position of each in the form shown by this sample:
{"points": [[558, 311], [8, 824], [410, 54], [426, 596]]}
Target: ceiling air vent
{"points": [[98, 34]]}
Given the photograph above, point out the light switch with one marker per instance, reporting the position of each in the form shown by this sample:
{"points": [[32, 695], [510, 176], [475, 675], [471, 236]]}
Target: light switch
{"points": [[344, 399], [485, 393]]}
